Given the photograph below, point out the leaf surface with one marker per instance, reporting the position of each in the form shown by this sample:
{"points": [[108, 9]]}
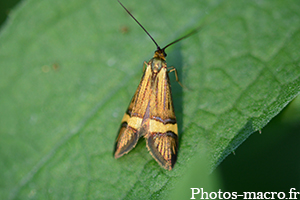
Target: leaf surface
{"points": [[69, 69]]}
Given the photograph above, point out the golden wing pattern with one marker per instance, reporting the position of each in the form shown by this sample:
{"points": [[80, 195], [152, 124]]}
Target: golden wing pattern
{"points": [[162, 138], [129, 132], [151, 114]]}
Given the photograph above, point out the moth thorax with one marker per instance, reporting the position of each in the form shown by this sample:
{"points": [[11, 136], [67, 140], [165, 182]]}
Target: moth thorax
{"points": [[157, 64]]}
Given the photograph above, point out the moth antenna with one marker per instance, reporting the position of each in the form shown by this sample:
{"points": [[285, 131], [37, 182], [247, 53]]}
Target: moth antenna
{"points": [[140, 25], [187, 35]]}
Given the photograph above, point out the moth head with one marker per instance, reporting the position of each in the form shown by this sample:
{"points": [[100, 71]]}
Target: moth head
{"points": [[160, 54]]}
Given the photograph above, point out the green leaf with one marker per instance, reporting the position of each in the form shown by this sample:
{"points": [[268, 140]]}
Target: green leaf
{"points": [[70, 68]]}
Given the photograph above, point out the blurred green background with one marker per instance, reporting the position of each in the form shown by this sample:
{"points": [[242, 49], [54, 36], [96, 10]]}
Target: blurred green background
{"points": [[266, 161]]}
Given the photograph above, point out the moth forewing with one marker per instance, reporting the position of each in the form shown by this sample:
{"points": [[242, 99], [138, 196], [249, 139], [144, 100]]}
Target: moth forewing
{"points": [[162, 138], [129, 132]]}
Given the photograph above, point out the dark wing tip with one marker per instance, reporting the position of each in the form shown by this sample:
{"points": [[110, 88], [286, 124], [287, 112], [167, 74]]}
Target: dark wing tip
{"points": [[163, 147], [126, 140]]}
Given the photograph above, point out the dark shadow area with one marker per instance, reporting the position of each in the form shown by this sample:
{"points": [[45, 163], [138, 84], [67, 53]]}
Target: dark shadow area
{"points": [[237, 140], [5, 7], [174, 58], [266, 162]]}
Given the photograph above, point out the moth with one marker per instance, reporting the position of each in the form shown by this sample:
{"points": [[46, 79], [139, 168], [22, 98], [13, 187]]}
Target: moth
{"points": [[151, 112]]}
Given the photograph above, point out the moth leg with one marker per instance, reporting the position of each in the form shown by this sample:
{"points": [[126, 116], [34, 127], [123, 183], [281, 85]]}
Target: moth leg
{"points": [[173, 69]]}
